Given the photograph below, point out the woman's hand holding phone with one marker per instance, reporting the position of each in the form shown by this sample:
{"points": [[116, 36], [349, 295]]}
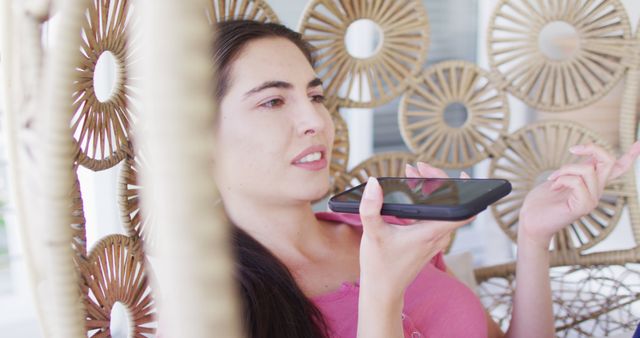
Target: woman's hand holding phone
{"points": [[571, 192], [391, 256]]}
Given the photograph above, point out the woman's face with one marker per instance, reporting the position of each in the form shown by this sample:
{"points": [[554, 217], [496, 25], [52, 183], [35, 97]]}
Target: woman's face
{"points": [[274, 134]]}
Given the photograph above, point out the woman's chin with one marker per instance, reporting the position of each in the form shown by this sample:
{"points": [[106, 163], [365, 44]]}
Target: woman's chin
{"points": [[314, 195]]}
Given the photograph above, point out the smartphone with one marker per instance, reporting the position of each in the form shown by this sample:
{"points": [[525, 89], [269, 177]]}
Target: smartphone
{"points": [[448, 199]]}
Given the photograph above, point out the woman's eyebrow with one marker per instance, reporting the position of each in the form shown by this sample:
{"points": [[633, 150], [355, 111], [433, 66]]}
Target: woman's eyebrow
{"points": [[280, 84], [268, 84], [314, 83]]}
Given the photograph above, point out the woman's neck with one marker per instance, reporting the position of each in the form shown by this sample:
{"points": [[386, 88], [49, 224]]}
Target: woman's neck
{"points": [[287, 230]]}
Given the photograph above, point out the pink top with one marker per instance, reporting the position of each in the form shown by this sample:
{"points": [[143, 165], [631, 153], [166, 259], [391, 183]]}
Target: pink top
{"points": [[435, 305]]}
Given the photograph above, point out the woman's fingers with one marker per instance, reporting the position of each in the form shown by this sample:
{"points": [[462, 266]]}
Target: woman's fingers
{"points": [[429, 171], [607, 167], [580, 200], [624, 163], [443, 242], [429, 231], [411, 171], [585, 171], [602, 159], [370, 206]]}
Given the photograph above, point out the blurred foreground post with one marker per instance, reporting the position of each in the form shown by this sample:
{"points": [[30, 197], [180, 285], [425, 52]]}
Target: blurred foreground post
{"points": [[194, 266]]}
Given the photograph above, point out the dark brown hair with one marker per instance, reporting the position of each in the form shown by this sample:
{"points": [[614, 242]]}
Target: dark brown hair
{"points": [[273, 304], [232, 36]]}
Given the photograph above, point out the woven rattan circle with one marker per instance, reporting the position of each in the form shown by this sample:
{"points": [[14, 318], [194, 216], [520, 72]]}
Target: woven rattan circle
{"points": [[101, 128], [78, 221], [592, 51], [373, 80], [223, 10], [340, 151], [423, 110], [115, 271], [134, 220], [535, 151]]}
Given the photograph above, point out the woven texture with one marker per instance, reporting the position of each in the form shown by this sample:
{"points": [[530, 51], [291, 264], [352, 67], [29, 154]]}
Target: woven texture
{"points": [[115, 272], [223, 10], [590, 56], [101, 128], [423, 112], [533, 153], [135, 222], [594, 293], [195, 266], [372, 80], [65, 312], [588, 301]]}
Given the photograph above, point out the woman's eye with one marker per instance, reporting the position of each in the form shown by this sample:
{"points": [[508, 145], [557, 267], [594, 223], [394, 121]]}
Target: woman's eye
{"points": [[273, 103], [318, 98]]}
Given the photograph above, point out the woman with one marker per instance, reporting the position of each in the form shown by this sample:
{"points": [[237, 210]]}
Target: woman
{"points": [[330, 275]]}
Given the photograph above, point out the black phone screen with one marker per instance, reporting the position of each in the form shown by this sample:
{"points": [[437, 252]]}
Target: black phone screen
{"points": [[429, 191]]}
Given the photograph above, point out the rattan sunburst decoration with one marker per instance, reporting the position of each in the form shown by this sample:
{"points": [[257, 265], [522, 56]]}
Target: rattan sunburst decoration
{"points": [[425, 116], [137, 223], [340, 152], [223, 10], [101, 125], [531, 154], [116, 272], [559, 55], [78, 222], [398, 51]]}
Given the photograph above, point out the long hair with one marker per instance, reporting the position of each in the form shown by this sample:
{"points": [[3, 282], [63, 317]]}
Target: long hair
{"points": [[273, 304]]}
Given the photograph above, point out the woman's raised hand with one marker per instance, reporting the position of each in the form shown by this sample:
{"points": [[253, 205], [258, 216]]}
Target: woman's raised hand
{"points": [[391, 256], [571, 192]]}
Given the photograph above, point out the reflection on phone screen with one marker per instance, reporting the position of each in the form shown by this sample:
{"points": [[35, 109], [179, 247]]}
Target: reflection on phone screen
{"points": [[430, 191]]}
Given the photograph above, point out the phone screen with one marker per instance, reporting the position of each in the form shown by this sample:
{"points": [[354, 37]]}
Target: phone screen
{"points": [[430, 191]]}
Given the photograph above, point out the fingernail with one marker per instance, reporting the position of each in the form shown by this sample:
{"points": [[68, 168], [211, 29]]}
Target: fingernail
{"points": [[576, 148], [423, 165], [369, 192]]}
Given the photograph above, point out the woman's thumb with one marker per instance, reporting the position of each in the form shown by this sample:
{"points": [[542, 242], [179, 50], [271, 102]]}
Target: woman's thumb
{"points": [[371, 204]]}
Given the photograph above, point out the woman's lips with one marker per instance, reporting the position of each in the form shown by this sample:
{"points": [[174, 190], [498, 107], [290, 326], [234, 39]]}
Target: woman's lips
{"points": [[312, 158], [313, 165]]}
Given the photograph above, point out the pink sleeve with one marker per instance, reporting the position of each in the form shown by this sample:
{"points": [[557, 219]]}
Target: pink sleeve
{"points": [[438, 261]]}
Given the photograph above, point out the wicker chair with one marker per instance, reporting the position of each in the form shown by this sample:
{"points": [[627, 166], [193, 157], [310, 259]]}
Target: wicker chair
{"points": [[62, 268], [594, 293]]}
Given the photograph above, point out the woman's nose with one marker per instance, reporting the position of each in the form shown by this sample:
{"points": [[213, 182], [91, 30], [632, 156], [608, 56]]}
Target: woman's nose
{"points": [[310, 119]]}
